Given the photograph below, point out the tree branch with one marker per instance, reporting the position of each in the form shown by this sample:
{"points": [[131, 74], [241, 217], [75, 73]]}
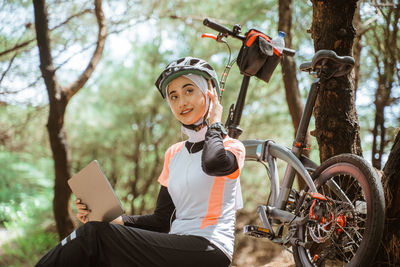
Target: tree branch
{"points": [[394, 100], [102, 35], [366, 26], [69, 58], [16, 47], [129, 25], [7, 92], [43, 41], [8, 68], [72, 17], [26, 43]]}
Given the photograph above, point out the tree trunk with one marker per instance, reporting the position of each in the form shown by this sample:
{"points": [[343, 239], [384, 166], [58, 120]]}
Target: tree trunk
{"points": [[292, 92], [293, 97], [357, 47], [337, 128], [59, 147], [389, 249], [382, 96], [57, 136], [58, 100], [386, 61]]}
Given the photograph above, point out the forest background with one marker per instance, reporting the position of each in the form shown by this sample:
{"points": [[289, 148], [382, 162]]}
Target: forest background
{"points": [[119, 118]]}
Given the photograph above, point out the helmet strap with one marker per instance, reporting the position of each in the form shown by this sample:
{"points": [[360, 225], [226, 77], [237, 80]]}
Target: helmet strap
{"points": [[196, 128]]}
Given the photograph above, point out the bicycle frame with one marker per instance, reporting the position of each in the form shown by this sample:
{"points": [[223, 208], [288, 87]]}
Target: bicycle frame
{"points": [[267, 151]]}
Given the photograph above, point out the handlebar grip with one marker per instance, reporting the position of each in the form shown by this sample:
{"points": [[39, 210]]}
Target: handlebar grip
{"points": [[216, 26]]}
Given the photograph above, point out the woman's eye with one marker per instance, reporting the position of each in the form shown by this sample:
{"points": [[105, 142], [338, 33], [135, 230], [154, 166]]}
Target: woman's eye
{"points": [[190, 90], [173, 97]]}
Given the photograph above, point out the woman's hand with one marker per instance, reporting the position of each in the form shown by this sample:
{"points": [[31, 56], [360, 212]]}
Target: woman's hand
{"points": [[83, 211], [216, 109], [118, 220]]}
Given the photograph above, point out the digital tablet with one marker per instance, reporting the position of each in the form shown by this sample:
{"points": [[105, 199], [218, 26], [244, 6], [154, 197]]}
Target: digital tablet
{"points": [[92, 187]]}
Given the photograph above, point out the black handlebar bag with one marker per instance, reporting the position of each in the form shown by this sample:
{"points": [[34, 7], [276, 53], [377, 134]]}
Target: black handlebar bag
{"points": [[257, 57]]}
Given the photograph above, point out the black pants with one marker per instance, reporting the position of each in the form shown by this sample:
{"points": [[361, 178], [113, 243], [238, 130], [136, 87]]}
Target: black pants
{"points": [[102, 244]]}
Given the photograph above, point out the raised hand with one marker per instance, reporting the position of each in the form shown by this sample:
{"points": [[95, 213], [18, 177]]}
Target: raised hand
{"points": [[216, 107]]}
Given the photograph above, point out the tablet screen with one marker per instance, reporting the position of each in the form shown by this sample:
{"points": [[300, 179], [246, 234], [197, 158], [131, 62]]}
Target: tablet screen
{"points": [[93, 188]]}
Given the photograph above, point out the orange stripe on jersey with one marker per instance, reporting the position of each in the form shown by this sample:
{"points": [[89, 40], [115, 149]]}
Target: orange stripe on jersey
{"points": [[214, 203], [237, 148], [234, 175], [169, 154]]}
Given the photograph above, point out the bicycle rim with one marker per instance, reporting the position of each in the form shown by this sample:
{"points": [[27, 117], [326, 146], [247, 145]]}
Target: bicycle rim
{"points": [[346, 235]]}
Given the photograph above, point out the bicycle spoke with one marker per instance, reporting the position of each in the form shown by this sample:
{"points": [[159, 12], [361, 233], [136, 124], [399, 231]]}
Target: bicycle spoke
{"points": [[349, 186], [358, 234], [340, 228], [340, 250]]}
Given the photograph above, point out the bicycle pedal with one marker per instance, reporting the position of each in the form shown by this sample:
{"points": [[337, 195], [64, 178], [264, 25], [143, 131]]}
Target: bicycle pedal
{"points": [[256, 231]]}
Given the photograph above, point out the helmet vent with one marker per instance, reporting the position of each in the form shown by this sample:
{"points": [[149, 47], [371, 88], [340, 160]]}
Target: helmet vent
{"points": [[208, 67], [186, 65], [194, 62], [180, 60]]}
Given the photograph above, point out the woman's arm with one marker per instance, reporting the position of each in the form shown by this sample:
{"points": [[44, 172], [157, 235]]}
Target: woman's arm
{"points": [[160, 220], [216, 160]]}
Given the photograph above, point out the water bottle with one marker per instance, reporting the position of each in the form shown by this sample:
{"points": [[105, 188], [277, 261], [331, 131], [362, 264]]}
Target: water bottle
{"points": [[279, 42]]}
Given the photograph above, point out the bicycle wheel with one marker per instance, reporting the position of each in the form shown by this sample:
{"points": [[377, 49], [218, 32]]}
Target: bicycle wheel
{"points": [[349, 226]]}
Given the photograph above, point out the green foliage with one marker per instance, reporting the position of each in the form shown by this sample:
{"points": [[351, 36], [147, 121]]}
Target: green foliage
{"points": [[26, 186], [119, 117], [28, 249], [127, 126], [25, 165], [20, 180], [25, 191], [379, 54]]}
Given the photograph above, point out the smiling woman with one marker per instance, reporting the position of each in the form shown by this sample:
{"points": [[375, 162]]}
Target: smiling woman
{"points": [[194, 220], [187, 101]]}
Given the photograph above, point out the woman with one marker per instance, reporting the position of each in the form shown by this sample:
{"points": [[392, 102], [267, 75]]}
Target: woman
{"points": [[193, 222]]}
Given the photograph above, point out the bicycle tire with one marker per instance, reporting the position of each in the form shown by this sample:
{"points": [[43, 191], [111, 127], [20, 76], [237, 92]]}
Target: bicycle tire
{"points": [[345, 167]]}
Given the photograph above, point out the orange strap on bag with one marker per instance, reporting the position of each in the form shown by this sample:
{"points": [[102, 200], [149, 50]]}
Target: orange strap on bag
{"points": [[252, 36]]}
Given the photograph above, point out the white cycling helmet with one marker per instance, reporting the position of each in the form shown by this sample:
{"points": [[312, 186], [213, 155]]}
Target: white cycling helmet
{"points": [[184, 66]]}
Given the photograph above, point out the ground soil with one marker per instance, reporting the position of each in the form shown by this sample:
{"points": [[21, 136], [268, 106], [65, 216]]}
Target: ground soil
{"points": [[255, 252]]}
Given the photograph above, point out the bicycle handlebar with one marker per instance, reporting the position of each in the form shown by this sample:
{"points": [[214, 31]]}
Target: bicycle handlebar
{"points": [[222, 29], [225, 31]]}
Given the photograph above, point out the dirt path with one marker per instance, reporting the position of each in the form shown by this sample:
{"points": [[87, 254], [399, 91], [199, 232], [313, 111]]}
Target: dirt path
{"points": [[253, 252], [256, 252]]}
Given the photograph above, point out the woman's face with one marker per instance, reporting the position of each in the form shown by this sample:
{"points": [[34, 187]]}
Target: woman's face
{"points": [[187, 101]]}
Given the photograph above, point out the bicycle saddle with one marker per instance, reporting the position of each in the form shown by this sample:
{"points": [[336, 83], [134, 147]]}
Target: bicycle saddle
{"points": [[338, 65]]}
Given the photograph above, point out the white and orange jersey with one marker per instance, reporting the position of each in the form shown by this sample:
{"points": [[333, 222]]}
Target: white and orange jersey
{"points": [[205, 205]]}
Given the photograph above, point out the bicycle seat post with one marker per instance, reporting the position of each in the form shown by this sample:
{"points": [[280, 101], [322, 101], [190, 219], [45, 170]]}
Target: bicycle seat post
{"points": [[299, 143]]}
